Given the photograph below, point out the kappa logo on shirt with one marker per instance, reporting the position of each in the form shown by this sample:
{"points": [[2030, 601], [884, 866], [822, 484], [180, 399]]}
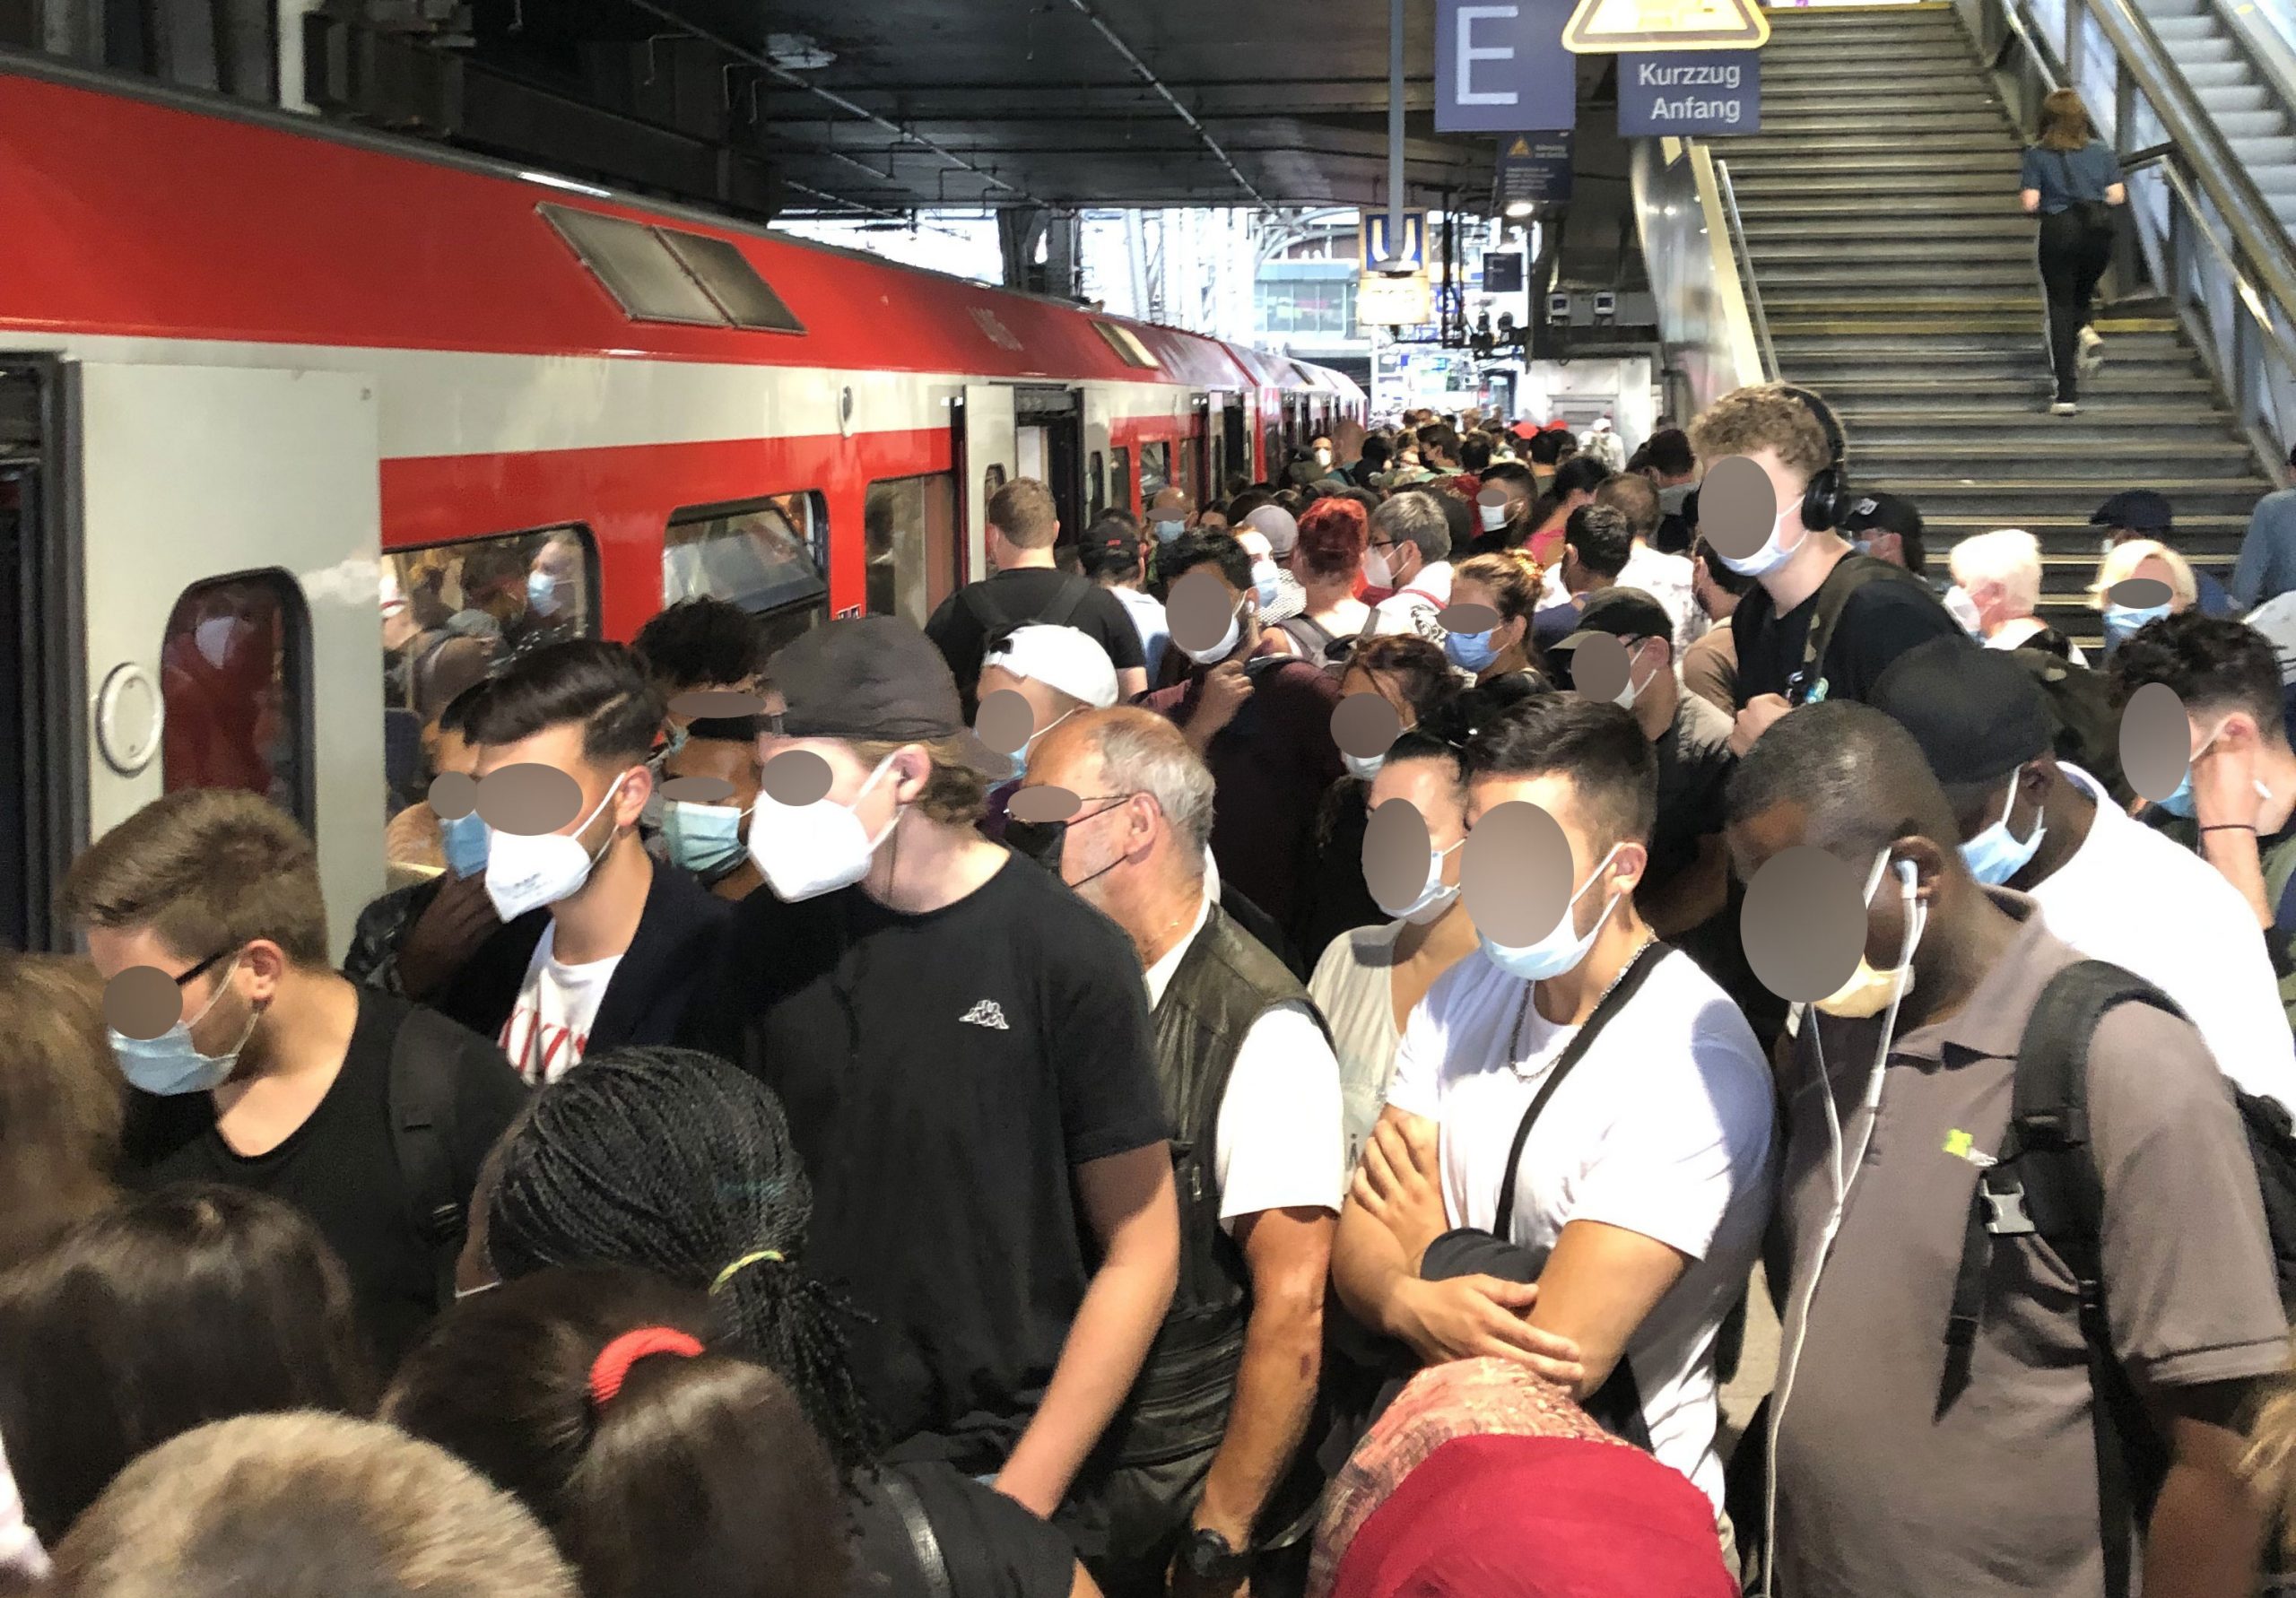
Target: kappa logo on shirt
{"points": [[987, 1013]]}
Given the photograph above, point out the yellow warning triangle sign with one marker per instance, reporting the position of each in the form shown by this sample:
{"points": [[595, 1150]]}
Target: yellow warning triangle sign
{"points": [[1604, 27], [1520, 150]]}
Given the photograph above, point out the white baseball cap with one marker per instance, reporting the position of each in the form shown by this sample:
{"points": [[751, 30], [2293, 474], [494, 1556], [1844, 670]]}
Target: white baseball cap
{"points": [[1060, 657]]}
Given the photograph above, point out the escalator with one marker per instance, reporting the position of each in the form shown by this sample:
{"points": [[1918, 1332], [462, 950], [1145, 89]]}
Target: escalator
{"points": [[2244, 76]]}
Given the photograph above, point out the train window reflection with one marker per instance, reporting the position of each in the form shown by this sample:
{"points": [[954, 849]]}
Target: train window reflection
{"points": [[451, 613], [1120, 479], [764, 555], [1096, 483], [235, 675], [909, 526], [1155, 472], [1188, 479]]}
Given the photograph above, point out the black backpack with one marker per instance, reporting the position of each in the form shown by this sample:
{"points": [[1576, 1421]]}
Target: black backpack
{"points": [[2080, 700], [996, 623], [2045, 1184], [423, 1056]]}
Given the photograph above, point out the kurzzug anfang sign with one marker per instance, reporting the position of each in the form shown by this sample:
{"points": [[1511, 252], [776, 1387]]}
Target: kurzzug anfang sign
{"points": [[1690, 93]]}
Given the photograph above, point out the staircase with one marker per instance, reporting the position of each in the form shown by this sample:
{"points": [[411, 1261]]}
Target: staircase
{"points": [[2254, 120], [1880, 201]]}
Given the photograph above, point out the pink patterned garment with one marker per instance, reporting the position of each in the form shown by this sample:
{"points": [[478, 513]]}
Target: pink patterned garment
{"points": [[1488, 1397]]}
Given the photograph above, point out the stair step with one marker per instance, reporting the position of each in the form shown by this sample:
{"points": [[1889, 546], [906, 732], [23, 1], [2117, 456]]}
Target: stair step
{"points": [[2196, 26], [1895, 191], [2217, 75], [1975, 150], [1781, 248], [1948, 435], [1820, 163], [2011, 501], [2067, 459], [1772, 222], [1945, 94], [1852, 391], [1896, 286], [2240, 99], [1839, 71], [1930, 129], [2260, 152], [2199, 50]]}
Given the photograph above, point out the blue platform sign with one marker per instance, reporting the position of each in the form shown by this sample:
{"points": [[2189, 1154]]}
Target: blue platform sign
{"points": [[1535, 168], [1690, 93], [1501, 67]]}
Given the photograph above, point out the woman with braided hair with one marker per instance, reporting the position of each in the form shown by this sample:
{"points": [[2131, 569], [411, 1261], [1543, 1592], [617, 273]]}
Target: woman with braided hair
{"points": [[672, 1162]]}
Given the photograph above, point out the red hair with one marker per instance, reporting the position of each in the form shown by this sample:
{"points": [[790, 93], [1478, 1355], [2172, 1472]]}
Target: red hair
{"points": [[1333, 536]]}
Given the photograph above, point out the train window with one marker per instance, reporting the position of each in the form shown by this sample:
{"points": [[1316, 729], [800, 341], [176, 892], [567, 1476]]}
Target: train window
{"points": [[235, 679], [1274, 455], [1120, 479], [1096, 483], [726, 274], [1127, 345], [910, 528], [636, 267], [764, 555], [1189, 480], [1155, 472], [451, 612]]}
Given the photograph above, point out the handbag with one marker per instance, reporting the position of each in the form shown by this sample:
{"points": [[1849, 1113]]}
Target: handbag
{"points": [[2096, 216]]}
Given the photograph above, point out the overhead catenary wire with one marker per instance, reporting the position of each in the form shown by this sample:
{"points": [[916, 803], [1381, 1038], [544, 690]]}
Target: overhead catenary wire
{"points": [[1148, 76], [784, 75]]}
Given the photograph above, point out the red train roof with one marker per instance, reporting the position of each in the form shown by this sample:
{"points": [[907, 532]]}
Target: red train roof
{"points": [[132, 212]]}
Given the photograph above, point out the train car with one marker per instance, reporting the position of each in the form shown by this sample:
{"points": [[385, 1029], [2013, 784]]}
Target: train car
{"points": [[289, 411]]}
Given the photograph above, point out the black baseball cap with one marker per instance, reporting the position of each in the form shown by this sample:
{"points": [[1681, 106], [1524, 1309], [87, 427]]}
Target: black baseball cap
{"points": [[874, 679], [1976, 712], [1110, 536], [1625, 613], [2140, 511], [1884, 513]]}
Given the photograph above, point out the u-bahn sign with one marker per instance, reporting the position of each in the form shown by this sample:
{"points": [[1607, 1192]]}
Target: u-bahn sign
{"points": [[1609, 27]]}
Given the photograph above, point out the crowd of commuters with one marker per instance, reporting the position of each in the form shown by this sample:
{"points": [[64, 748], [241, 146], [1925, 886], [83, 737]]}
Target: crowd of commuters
{"points": [[1263, 1051]]}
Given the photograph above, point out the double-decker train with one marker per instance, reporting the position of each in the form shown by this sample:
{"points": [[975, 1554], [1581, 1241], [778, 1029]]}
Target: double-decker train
{"points": [[289, 413]]}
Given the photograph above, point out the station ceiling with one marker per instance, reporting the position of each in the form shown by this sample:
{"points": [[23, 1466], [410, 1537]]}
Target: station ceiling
{"points": [[889, 105]]}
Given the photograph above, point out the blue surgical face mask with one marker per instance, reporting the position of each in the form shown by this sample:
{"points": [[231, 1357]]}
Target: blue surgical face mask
{"points": [[171, 1063], [2122, 620], [1996, 854], [1560, 950], [463, 839], [1861, 546], [542, 592], [705, 839], [1020, 757], [1471, 651], [1263, 578], [1167, 531]]}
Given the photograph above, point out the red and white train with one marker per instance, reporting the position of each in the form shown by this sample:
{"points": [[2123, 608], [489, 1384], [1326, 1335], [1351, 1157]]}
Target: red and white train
{"points": [[258, 372]]}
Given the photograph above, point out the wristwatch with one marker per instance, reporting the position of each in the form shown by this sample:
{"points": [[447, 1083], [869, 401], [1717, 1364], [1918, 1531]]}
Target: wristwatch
{"points": [[1210, 1556]]}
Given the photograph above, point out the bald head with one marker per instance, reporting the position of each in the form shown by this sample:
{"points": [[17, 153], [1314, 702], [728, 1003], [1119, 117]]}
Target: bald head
{"points": [[1171, 505]]}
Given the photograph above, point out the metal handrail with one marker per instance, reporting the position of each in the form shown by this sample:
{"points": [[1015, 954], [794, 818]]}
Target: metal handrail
{"points": [[2170, 165], [1742, 253]]}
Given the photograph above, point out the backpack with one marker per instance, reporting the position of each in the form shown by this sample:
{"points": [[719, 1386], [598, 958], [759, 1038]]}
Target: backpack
{"points": [[996, 623], [2045, 1184], [2080, 699], [422, 1123]]}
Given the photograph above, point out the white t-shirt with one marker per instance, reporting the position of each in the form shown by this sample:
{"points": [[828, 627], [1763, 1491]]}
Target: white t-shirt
{"points": [[549, 1027], [1414, 607], [1664, 1128], [2136, 898], [2015, 635], [1667, 579], [1276, 1141]]}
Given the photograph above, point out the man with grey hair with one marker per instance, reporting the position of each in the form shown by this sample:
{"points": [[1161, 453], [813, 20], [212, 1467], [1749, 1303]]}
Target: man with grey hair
{"points": [[1999, 574], [1252, 1089], [1410, 555]]}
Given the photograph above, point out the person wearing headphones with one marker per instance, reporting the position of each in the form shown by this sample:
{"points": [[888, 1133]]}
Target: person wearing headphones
{"points": [[1792, 435]]}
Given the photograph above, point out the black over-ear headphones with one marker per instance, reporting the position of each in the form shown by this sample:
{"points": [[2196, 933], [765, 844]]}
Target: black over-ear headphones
{"points": [[1826, 502]]}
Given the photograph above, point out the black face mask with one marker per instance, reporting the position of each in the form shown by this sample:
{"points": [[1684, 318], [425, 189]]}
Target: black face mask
{"points": [[1044, 842]]}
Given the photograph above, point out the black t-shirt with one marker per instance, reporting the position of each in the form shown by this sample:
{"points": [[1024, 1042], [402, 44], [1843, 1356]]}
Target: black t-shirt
{"points": [[1024, 596], [1881, 621], [943, 1075], [1694, 766], [989, 1546], [341, 1165]]}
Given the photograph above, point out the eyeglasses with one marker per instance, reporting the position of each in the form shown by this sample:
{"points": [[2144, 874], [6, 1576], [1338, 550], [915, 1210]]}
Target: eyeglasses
{"points": [[207, 964]]}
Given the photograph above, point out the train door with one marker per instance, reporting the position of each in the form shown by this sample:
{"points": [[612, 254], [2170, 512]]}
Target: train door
{"points": [[1202, 452], [1236, 433], [1050, 422], [986, 456], [41, 797], [229, 532]]}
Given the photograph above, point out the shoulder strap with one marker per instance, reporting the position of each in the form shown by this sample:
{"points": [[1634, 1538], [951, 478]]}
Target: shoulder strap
{"points": [[1065, 603], [931, 1564], [2045, 1183], [423, 1119], [1850, 573], [1630, 981], [984, 609], [1319, 635]]}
